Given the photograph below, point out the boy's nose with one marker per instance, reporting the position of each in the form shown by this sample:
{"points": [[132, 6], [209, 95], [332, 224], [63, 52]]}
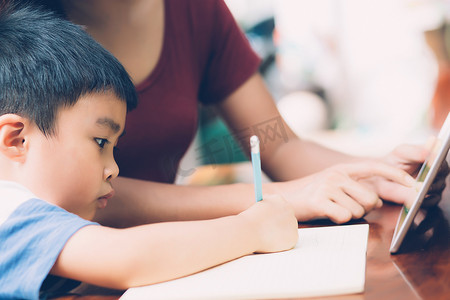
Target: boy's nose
{"points": [[111, 171]]}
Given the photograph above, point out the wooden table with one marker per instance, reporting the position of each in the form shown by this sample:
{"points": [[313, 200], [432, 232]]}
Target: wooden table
{"points": [[421, 272]]}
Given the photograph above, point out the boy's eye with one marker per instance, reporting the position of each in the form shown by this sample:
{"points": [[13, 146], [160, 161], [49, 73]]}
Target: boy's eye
{"points": [[101, 142]]}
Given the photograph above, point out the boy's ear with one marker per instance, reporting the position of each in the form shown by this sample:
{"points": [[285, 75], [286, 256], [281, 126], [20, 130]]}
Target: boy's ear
{"points": [[12, 138]]}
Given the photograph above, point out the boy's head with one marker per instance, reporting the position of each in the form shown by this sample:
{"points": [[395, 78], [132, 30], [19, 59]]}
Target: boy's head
{"points": [[63, 100], [47, 63]]}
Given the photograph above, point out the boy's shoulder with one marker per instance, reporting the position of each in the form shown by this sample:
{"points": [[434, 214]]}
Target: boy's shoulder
{"points": [[33, 233], [12, 195]]}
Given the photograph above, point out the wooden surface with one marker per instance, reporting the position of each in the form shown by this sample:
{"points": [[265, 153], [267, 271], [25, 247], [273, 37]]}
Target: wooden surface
{"points": [[420, 271]]}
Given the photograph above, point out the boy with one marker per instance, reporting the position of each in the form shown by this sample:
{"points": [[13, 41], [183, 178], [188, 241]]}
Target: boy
{"points": [[63, 101]]}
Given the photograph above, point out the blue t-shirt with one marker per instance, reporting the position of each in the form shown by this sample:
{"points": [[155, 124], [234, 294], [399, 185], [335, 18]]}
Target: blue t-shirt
{"points": [[32, 235]]}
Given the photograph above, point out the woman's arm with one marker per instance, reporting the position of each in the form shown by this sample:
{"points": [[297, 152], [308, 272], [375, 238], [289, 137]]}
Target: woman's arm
{"points": [[284, 156], [123, 258], [335, 193], [251, 110], [139, 202]]}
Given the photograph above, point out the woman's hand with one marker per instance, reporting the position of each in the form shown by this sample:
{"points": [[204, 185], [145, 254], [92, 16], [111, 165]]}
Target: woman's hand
{"points": [[338, 192], [410, 158]]}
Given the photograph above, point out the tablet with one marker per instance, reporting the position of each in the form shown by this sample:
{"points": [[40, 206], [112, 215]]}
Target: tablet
{"points": [[424, 180]]}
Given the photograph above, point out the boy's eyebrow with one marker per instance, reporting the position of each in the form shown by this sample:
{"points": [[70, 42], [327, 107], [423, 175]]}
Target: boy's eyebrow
{"points": [[110, 123]]}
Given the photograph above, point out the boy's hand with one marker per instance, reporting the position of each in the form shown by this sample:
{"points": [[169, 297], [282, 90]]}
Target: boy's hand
{"points": [[274, 224]]}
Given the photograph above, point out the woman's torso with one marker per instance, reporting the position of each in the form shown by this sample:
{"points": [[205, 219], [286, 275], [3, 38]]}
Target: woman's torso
{"points": [[171, 49]]}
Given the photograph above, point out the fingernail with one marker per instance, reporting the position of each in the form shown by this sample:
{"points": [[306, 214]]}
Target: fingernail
{"points": [[379, 203]]}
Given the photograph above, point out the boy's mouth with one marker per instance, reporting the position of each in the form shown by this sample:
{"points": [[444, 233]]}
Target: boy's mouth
{"points": [[103, 200]]}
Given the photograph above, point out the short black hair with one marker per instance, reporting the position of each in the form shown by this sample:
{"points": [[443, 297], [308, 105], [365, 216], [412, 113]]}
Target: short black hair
{"points": [[47, 63]]}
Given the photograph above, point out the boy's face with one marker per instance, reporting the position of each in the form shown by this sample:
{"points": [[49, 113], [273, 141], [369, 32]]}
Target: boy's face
{"points": [[74, 168]]}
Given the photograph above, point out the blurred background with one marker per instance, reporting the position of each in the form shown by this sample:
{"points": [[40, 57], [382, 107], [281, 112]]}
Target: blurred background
{"points": [[359, 76]]}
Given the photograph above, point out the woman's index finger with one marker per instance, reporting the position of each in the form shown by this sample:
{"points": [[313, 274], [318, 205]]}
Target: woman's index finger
{"points": [[372, 168]]}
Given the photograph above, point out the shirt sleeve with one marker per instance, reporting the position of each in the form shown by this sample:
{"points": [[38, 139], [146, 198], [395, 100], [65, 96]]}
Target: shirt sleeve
{"points": [[231, 59], [31, 239]]}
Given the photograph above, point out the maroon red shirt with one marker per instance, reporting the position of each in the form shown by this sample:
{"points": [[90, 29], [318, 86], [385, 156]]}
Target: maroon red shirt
{"points": [[205, 57]]}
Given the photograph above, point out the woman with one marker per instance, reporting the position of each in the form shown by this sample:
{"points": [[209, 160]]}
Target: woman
{"points": [[180, 53]]}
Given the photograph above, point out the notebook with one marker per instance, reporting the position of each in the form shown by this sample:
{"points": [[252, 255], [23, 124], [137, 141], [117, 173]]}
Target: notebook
{"points": [[326, 261]]}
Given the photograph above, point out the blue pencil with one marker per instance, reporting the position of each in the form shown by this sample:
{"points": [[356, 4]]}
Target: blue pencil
{"points": [[256, 163]]}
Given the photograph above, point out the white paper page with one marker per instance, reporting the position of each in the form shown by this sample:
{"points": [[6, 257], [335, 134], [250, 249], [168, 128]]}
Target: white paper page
{"points": [[326, 261]]}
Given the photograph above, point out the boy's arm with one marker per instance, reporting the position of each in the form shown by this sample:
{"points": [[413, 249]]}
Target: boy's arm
{"points": [[122, 258]]}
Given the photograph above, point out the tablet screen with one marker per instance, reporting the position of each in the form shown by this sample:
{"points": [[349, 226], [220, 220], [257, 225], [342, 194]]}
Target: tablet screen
{"points": [[424, 180]]}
